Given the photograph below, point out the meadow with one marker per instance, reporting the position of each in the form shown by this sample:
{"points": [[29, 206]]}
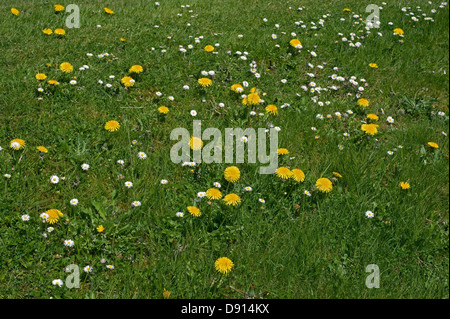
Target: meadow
{"points": [[86, 176]]}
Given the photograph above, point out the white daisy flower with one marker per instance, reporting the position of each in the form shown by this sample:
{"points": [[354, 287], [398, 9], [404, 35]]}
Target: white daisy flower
{"points": [[54, 179], [69, 243], [25, 218], [142, 155], [74, 202], [179, 214], [370, 214], [57, 282], [128, 184]]}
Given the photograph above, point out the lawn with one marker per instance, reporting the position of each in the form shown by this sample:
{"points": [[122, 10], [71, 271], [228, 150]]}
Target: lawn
{"points": [[361, 115]]}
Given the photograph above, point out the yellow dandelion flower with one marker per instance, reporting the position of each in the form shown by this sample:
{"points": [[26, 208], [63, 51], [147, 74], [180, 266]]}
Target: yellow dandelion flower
{"points": [[373, 65], [283, 172], [337, 174], [223, 265], [53, 215], [324, 185], [195, 143], [166, 294], [370, 129], [15, 11], [163, 109], [209, 48], [213, 193], [251, 99], [283, 151], [127, 81], [298, 175], [53, 82], [60, 31], [204, 82], [100, 228], [372, 117], [433, 145], [47, 31], [405, 185], [194, 211], [363, 102], [398, 31], [42, 149], [17, 144], [295, 42], [40, 76], [123, 39], [136, 69], [347, 10], [108, 11], [232, 199], [59, 8], [112, 126], [66, 67], [271, 109], [237, 88], [232, 174]]}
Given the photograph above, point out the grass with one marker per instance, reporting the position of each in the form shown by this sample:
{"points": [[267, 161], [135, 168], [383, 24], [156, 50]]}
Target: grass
{"points": [[292, 246]]}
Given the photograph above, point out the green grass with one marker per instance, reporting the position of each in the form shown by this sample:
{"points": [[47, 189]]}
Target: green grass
{"points": [[293, 246]]}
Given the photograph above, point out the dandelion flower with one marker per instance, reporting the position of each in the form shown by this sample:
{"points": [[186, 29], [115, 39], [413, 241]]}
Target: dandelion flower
{"points": [[370, 129], [204, 82], [209, 48], [295, 43], [127, 81], [324, 185], [232, 199], [195, 143], [163, 109], [194, 211], [47, 31], [100, 228], [232, 174], [282, 151], [237, 88], [283, 172], [405, 185], [213, 193], [298, 175], [112, 126], [166, 294], [433, 145], [108, 11], [15, 11], [42, 149], [136, 69], [66, 67], [251, 99], [373, 65], [363, 102], [53, 215], [271, 109], [60, 31], [337, 174], [372, 117], [53, 82], [41, 76], [398, 31], [58, 8], [223, 265], [17, 144]]}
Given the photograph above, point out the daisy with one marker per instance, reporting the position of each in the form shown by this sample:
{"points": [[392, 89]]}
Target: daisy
{"points": [[179, 214], [164, 181], [110, 267], [57, 282], [50, 229], [54, 179], [217, 184], [25, 218], [74, 202], [261, 200], [87, 269], [17, 144], [193, 113], [128, 184], [69, 243], [136, 203], [370, 214], [307, 193], [85, 167], [390, 120], [142, 155]]}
